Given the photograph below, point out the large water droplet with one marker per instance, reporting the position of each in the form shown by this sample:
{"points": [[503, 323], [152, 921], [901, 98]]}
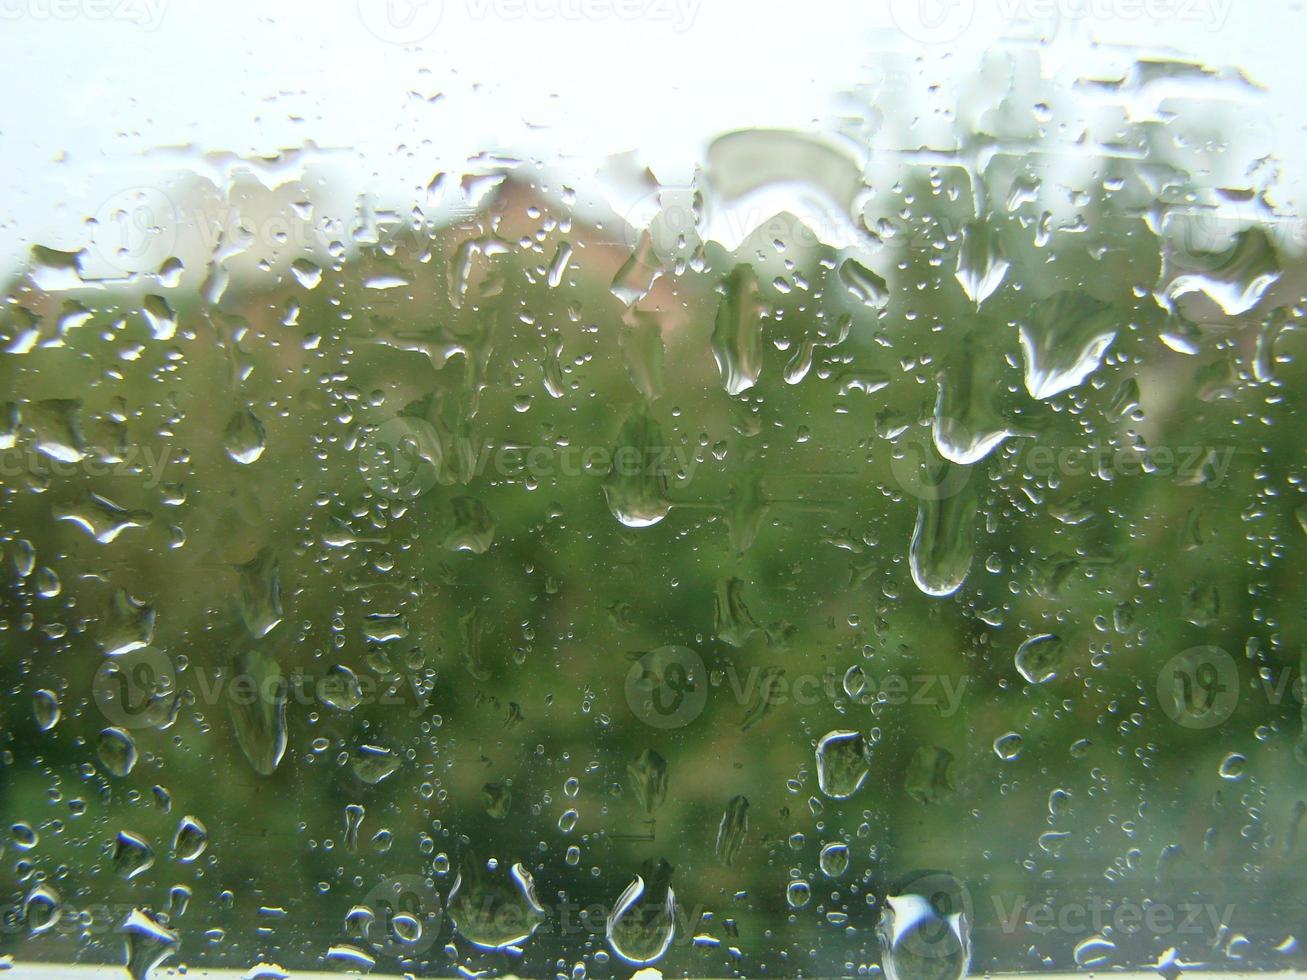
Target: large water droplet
{"points": [[147, 943], [191, 839], [944, 538], [491, 908], [244, 437], [257, 704], [981, 263], [642, 924], [117, 751], [636, 486], [925, 928], [841, 763], [132, 854], [737, 332], [1064, 341], [1038, 658]]}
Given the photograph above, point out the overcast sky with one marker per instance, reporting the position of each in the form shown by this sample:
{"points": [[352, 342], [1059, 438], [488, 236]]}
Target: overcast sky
{"points": [[411, 88]]}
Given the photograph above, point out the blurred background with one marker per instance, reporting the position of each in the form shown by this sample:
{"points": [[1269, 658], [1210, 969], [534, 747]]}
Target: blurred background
{"points": [[474, 509]]}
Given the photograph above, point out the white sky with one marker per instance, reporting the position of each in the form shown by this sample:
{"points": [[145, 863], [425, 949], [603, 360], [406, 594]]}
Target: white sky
{"points": [[88, 89]]}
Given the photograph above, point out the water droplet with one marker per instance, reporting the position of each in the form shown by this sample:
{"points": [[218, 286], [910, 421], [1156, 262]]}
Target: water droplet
{"points": [[258, 710], [834, 859], [841, 763], [944, 538], [117, 751], [260, 592], [492, 909], [473, 529], [132, 854], [798, 894], [341, 689], [1038, 658], [737, 333], [46, 710], [244, 437], [929, 776], [498, 799], [47, 584], [1235, 280], [636, 485], [1008, 747], [42, 909], [642, 924], [869, 288], [160, 316], [732, 830], [558, 265], [1064, 341], [1232, 766], [981, 264], [147, 943], [101, 518], [1094, 953], [374, 764], [127, 625], [307, 273], [649, 779], [925, 928], [191, 839]]}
